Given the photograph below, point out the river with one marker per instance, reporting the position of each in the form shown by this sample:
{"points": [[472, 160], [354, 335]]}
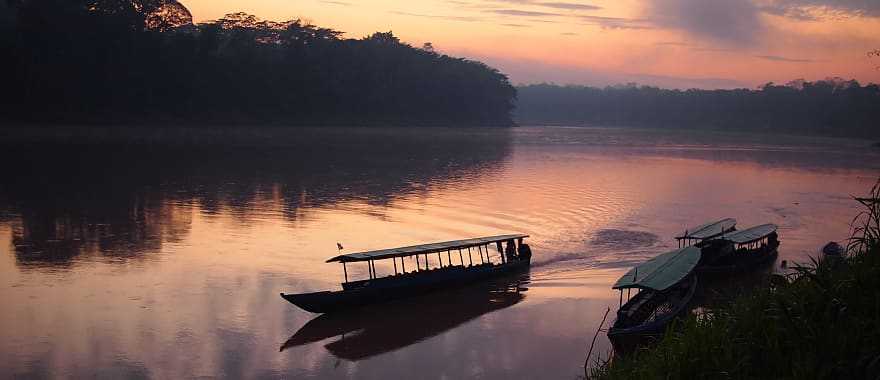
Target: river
{"points": [[149, 260]]}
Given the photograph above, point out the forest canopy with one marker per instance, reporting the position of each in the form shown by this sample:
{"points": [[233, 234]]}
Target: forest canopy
{"points": [[828, 107], [145, 61]]}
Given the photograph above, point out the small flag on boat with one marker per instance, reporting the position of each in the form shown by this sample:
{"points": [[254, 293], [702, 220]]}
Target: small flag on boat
{"points": [[339, 246]]}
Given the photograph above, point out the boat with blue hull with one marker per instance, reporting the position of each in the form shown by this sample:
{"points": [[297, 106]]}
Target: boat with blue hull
{"points": [[422, 279], [665, 286]]}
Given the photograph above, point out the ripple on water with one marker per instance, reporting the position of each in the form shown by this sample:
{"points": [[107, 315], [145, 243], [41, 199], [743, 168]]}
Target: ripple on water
{"points": [[623, 240]]}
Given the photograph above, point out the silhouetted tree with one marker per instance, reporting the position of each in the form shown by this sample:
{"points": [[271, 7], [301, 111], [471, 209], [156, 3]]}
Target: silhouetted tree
{"points": [[833, 106], [111, 61]]}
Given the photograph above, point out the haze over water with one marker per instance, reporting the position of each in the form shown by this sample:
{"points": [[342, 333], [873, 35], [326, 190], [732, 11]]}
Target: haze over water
{"points": [[167, 262]]}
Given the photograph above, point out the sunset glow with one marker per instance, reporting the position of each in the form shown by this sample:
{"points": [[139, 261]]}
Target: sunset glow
{"points": [[669, 43]]}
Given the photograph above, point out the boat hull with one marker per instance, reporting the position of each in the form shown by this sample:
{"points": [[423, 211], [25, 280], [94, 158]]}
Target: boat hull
{"points": [[397, 287], [627, 339]]}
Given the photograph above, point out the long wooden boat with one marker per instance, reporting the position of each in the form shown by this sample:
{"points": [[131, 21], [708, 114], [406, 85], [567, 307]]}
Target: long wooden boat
{"points": [[706, 232], [423, 278], [740, 251], [665, 285]]}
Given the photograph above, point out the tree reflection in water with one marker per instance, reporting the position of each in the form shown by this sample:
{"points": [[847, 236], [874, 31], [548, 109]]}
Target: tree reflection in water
{"points": [[123, 198]]}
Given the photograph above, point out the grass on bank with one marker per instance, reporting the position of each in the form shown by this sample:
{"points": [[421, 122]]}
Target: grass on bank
{"points": [[820, 322]]}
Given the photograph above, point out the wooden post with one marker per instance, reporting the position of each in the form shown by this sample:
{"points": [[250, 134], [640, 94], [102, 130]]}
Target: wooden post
{"points": [[460, 257], [470, 258], [449, 256], [345, 270], [426, 262], [440, 259], [395, 266], [402, 265], [418, 266]]}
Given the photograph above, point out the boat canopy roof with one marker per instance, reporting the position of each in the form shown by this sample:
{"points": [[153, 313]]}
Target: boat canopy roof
{"points": [[708, 230], [422, 248], [662, 271], [751, 234]]}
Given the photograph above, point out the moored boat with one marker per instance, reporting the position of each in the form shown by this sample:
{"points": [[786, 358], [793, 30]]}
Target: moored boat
{"points": [[423, 278], [741, 250], [665, 286], [706, 232]]}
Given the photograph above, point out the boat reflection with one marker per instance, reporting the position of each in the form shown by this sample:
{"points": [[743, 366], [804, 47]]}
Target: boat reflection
{"points": [[382, 328]]}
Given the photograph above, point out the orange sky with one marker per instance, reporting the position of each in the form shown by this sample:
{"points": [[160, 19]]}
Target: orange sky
{"points": [[669, 43]]}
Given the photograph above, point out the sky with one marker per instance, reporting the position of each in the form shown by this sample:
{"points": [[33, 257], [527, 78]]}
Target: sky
{"points": [[666, 43]]}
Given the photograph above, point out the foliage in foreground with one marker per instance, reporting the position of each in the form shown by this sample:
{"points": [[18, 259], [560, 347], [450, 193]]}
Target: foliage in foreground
{"points": [[823, 321]]}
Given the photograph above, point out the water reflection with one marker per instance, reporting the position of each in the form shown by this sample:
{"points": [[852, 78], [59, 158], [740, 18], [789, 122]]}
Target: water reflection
{"points": [[378, 329], [813, 153], [67, 200], [166, 261]]}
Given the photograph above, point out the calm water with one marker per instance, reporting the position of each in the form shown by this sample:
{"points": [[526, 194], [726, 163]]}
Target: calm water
{"points": [[151, 262]]}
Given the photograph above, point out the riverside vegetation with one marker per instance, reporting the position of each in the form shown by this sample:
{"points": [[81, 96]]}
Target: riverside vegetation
{"points": [[822, 321], [833, 107], [146, 62]]}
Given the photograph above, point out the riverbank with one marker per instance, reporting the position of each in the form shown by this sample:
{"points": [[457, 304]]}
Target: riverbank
{"points": [[821, 321]]}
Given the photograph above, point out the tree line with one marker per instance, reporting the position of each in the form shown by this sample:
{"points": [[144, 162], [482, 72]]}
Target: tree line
{"points": [[828, 107], [145, 61]]}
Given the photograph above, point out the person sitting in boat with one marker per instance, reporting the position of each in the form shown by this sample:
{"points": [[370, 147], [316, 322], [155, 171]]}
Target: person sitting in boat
{"points": [[510, 252], [525, 252]]}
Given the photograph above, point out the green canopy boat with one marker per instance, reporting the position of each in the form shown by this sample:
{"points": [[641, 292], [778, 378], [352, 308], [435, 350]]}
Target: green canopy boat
{"points": [[665, 286], [706, 231], [740, 250]]}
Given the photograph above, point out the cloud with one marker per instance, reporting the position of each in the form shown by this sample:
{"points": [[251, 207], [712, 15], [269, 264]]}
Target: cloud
{"points": [[728, 22], [568, 34], [790, 12], [783, 59], [616, 22], [520, 12], [442, 17], [570, 6], [342, 3], [712, 50], [819, 9], [672, 43], [517, 25]]}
